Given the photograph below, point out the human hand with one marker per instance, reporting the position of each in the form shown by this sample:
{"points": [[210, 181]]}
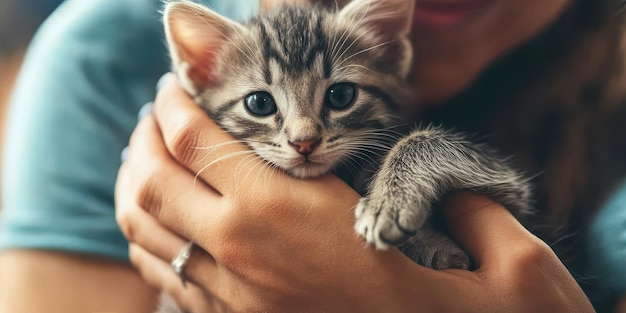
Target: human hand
{"points": [[268, 242]]}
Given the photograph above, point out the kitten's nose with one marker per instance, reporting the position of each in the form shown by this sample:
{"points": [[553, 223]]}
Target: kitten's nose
{"points": [[305, 147]]}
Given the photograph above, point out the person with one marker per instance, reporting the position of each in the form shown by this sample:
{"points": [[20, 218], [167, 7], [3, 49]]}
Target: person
{"points": [[257, 250]]}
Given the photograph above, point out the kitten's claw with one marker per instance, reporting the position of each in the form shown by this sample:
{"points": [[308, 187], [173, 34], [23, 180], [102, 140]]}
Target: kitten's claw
{"points": [[384, 223]]}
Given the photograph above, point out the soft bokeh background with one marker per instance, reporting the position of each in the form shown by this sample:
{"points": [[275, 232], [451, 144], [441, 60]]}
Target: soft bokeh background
{"points": [[19, 19]]}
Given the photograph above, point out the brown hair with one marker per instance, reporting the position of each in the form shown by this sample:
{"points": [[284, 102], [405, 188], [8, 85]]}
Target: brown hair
{"points": [[556, 105]]}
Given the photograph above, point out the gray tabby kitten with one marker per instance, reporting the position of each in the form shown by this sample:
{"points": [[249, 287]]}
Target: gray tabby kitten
{"points": [[312, 90]]}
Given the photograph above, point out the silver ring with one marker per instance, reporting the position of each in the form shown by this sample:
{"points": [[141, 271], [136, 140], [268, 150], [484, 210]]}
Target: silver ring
{"points": [[124, 154], [179, 262]]}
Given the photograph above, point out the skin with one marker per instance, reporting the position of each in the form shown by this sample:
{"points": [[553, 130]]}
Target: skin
{"points": [[55, 282], [448, 59]]}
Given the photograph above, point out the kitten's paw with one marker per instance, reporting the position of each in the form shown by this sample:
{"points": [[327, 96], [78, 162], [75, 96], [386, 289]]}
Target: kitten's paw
{"points": [[384, 223], [453, 258], [435, 250]]}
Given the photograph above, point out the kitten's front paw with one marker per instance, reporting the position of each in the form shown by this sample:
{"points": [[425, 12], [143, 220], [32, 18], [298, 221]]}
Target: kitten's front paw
{"points": [[383, 223]]}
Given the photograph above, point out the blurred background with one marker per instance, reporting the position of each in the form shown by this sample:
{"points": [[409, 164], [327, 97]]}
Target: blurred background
{"points": [[19, 20]]}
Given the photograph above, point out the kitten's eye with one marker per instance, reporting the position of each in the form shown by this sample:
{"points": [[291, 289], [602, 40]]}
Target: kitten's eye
{"points": [[340, 96], [260, 103]]}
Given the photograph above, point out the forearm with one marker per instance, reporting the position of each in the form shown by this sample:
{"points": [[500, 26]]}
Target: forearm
{"points": [[43, 281]]}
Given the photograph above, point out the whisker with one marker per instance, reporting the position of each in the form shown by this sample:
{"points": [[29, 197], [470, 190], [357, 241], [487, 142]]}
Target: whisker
{"points": [[211, 150], [222, 158], [241, 37], [339, 69], [367, 143], [362, 156], [242, 164], [349, 165], [365, 50], [347, 31]]}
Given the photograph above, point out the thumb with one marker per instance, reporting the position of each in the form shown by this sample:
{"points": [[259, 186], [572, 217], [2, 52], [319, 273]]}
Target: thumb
{"points": [[484, 228]]}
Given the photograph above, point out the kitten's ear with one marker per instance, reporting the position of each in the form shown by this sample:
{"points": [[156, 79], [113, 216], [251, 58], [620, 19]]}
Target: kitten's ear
{"points": [[389, 23], [196, 37], [391, 18]]}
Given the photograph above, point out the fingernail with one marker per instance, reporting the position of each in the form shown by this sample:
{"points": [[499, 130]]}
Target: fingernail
{"points": [[124, 154], [167, 77], [145, 110]]}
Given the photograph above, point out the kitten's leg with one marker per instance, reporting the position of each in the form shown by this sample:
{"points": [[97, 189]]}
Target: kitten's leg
{"points": [[419, 170], [432, 248]]}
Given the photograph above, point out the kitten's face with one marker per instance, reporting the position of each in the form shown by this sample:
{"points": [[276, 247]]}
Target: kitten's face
{"points": [[305, 88]]}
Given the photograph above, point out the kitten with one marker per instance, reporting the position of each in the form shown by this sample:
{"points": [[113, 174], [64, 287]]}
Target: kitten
{"points": [[312, 90]]}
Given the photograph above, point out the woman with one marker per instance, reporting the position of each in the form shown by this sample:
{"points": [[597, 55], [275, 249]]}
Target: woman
{"points": [[523, 102], [283, 263]]}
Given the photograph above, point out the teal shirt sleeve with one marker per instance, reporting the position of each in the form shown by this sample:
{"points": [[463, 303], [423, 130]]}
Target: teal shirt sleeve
{"points": [[90, 68], [607, 246]]}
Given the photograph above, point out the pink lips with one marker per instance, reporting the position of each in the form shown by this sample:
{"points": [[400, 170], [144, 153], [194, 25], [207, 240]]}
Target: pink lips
{"points": [[444, 13]]}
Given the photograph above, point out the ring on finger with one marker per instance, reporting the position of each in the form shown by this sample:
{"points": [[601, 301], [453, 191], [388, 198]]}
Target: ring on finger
{"points": [[179, 262]]}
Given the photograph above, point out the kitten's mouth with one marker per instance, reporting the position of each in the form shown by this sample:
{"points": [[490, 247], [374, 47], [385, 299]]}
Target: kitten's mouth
{"points": [[307, 167]]}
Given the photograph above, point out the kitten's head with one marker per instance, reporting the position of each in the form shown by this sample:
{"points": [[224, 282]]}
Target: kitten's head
{"points": [[305, 87]]}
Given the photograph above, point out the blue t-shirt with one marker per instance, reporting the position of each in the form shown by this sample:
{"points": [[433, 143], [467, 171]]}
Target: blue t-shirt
{"points": [[90, 68]]}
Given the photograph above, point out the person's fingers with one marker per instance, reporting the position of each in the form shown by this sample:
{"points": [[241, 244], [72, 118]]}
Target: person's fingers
{"points": [[152, 236], [150, 180], [508, 256], [488, 231], [158, 273], [199, 144]]}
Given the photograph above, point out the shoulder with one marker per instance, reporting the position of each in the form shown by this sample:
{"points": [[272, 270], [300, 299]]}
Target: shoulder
{"points": [[98, 19], [88, 70]]}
